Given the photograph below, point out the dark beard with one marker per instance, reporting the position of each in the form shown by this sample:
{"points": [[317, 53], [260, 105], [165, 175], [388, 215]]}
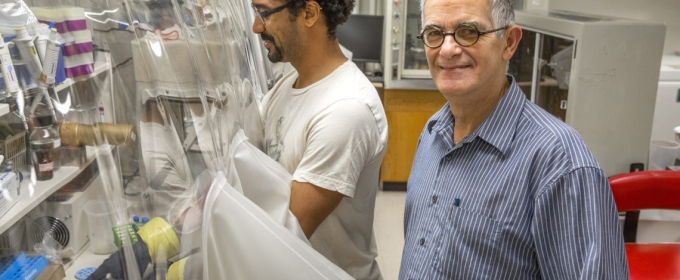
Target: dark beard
{"points": [[276, 55]]}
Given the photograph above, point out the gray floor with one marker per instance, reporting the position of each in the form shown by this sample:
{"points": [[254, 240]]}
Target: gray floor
{"points": [[389, 231]]}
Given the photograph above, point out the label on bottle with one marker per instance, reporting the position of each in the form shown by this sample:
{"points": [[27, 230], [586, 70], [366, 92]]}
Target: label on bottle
{"points": [[57, 143], [44, 167]]}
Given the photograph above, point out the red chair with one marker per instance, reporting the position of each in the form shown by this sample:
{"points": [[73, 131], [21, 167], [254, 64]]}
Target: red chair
{"points": [[649, 190]]}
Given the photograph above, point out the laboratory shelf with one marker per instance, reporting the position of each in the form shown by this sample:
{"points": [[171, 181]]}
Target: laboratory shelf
{"points": [[546, 81], [99, 67], [31, 196]]}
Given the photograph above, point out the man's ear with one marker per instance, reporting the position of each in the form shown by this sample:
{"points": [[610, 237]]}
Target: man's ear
{"points": [[312, 13], [512, 37]]}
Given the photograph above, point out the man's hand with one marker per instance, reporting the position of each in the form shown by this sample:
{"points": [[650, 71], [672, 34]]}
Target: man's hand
{"points": [[311, 205]]}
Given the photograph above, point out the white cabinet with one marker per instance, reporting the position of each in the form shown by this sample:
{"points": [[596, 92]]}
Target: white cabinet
{"points": [[404, 54], [597, 74]]}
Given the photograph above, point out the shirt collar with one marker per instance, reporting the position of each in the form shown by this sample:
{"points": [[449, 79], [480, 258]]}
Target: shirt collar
{"points": [[441, 119], [498, 129]]}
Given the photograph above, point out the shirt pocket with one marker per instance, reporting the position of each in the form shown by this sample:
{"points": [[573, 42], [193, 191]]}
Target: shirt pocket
{"points": [[468, 245]]}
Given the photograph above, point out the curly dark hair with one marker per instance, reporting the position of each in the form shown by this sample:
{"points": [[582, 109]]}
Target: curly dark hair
{"points": [[335, 11]]}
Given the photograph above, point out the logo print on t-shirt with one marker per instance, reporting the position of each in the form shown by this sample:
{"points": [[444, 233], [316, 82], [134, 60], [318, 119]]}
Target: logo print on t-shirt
{"points": [[275, 147]]}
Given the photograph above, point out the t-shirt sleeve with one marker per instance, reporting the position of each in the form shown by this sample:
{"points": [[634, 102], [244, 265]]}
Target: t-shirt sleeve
{"points": [[341, 140]]}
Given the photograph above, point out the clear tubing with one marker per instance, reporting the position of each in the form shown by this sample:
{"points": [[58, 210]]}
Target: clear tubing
{"points": [[11, 81], [28, 52]]}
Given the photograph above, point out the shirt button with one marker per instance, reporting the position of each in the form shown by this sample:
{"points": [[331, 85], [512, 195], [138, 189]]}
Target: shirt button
{"points": [[434, 199], [448, 157], [422, 241]]}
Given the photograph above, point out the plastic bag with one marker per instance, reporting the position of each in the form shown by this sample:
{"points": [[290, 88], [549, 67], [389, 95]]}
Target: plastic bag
{"points": [[241, 241], [265, 182]]}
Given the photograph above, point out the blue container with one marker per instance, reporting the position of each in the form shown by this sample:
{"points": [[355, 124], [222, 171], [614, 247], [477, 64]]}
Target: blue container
{"points": [[20, 267]]}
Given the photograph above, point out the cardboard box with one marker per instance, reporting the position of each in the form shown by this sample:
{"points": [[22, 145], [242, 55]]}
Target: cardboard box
{"points": [[52, 272]]}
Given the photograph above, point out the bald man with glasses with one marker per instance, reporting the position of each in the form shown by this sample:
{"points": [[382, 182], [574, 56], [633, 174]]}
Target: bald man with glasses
{"points": [[499, 188], [325, 124]]}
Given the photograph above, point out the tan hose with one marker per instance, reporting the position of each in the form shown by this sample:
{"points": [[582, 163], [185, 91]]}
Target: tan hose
{"points": [[76, 134]]}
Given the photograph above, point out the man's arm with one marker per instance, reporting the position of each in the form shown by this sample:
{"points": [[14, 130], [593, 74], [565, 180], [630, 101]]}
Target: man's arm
{"points": [[577, 234], [311, 205], [341, 139]]}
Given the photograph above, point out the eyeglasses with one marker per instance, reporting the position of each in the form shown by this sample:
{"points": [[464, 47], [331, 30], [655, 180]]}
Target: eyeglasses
{"points": [[465, 35], [262, 15]]}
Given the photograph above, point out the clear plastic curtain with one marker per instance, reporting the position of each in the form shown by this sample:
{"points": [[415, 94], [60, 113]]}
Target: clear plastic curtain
{"points": [[146, 99], [131, 138]]}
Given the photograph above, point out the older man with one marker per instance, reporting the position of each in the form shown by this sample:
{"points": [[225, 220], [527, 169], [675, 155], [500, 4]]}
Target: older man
{"points": [[500, 189]]}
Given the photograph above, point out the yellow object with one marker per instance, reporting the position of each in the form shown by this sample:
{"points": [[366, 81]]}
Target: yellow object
{"points": [[160, 238], [176, 270], [77, 134]]}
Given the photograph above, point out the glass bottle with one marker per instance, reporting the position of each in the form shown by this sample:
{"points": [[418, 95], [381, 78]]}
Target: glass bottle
{"points": [[45, 143]]}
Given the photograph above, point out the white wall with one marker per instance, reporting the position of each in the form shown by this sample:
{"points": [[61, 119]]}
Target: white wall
{"points": [[666, 11]]}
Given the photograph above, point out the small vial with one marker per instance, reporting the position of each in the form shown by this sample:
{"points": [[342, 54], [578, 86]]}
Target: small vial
{"points": [[9, 167], [136, 221], [101, 114]]}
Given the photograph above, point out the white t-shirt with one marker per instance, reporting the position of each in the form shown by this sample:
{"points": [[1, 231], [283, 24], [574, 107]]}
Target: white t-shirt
{"points": [[333, 134]]}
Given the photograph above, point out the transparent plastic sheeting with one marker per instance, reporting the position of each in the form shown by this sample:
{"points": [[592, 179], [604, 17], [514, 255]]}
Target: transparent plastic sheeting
{"points": [[125, 117]]}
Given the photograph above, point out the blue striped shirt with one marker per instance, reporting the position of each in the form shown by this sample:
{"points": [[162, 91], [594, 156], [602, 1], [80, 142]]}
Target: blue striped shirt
{"points": [[519, 198]]}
